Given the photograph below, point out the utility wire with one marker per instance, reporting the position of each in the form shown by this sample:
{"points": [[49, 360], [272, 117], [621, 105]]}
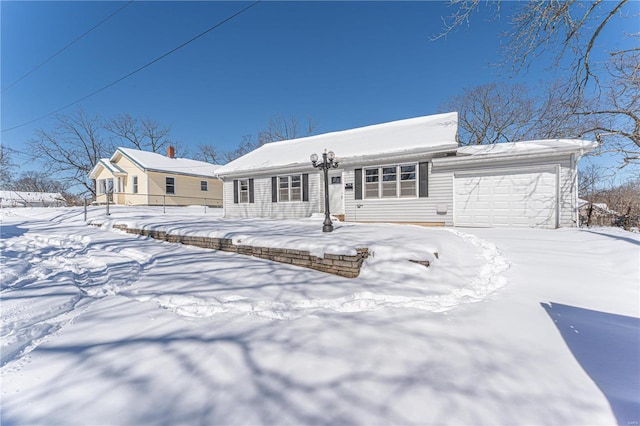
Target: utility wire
{"points": [[64, 48], [224, 21]]}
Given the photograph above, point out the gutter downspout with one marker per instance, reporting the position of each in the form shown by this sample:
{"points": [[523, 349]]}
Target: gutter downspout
{"points": [[576, 160], [224, 205]]}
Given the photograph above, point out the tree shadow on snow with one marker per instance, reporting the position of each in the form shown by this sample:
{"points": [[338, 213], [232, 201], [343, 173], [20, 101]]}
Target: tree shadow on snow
{"points": [[10, 231], [607, 346], [631, 240]]}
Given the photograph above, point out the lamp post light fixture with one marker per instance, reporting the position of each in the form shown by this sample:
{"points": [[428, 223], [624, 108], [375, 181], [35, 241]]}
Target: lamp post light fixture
{"points": [[328, 162]]}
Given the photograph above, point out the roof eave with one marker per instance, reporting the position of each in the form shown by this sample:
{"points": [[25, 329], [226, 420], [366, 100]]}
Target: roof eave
{"points": [[484, 158], [347, 161], [171, 172]]}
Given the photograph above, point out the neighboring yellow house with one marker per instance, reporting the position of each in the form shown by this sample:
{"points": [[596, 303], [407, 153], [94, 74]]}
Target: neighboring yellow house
{"points": [[134, 177]]}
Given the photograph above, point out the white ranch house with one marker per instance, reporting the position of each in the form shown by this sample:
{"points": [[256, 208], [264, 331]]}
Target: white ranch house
{"points": [[411, 171]]}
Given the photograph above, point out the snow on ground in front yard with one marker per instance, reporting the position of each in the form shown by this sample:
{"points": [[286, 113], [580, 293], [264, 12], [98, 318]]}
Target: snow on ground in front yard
{"points": [[505, 327]]}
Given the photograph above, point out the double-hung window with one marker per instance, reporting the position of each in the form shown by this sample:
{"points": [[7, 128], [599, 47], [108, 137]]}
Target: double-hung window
{"points": [[170, 185], [102, 186], [135, 184], [372, 183], [408, 180], [296, 188], [290, 188], [204, 185], [283, 186], [390, 181], [243, 190]]}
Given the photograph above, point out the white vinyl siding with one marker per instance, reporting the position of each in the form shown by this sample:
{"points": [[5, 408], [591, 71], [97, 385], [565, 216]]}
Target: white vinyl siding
{"points": [[403, 209], [437, 208], [263, 205]]}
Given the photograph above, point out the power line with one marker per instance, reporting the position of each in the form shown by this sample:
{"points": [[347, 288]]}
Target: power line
{"points": [[224, 21], [64, 48]]}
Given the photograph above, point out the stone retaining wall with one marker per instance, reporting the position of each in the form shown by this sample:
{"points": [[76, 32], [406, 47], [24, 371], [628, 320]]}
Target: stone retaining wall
{"points": [[337, 264]]}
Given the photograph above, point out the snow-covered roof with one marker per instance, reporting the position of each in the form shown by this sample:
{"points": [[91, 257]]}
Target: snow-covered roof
{"points": [[113, 168], [151, 161], [431, 133], [30, 197], [601, 206], [528, 147], [105, 163]]}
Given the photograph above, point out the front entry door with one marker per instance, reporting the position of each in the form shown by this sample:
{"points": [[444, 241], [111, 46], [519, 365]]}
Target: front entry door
{"points": [[336, 193]]}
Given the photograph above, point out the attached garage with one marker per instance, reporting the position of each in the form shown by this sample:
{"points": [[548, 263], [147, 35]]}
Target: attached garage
{"points": [[414, 171], [506, 198]]}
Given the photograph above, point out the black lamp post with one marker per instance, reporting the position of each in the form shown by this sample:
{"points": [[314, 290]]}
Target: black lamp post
{"points": [[328, 162]]}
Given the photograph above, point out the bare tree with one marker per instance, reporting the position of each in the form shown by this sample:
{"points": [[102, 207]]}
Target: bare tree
{"points": [[141, 133], [622, 198], [72, 148], [208, 153], [33, 181], [618, 118], [500, 112], [589, 180], [246, 145], [278, 128], [566, 29], [569, 32], [492, 113], [78, 141], [6, 167]]}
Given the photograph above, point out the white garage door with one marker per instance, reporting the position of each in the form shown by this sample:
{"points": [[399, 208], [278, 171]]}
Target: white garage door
{"points": [[506, 199]]}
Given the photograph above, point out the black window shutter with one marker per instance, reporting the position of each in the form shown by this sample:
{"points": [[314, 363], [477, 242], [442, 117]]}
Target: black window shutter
{"points": [[235, 192], [305, 187], [423, 184], [251, 190], [274, 189], [358, 185]]}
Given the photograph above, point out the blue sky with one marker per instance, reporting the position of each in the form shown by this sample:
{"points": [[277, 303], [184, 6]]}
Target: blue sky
{"points": [[344, 64]]}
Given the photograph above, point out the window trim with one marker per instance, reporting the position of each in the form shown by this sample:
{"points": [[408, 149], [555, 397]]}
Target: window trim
{"points": [[290, 188], [379, 175], [242, 192], [204, 186], [134, 184], [167, 185]]}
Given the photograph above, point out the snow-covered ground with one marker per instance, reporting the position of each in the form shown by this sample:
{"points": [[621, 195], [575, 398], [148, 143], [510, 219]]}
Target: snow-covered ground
{"points": [[506, 326]]}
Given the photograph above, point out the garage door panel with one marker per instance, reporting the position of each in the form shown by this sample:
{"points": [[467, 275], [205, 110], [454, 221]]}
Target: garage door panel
{"points": [[506, 198]]}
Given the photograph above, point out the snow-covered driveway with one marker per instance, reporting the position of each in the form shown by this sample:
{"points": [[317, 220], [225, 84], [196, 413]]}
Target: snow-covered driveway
{"points": [[99, 326]]}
